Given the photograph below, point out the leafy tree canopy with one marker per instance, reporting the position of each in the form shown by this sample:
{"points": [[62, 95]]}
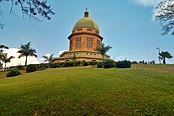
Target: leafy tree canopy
{"points": [[164, 55], [31, 8], [165, 14]]}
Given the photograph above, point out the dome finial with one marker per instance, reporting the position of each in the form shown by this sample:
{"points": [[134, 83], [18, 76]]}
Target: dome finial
{"points": [[86, 14]]}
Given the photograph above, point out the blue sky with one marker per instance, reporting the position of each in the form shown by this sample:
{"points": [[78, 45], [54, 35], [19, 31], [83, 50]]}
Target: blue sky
{"points": [[126, 25]]}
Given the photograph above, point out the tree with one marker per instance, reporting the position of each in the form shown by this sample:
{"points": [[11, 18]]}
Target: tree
{"points": [[165, 55], [103, 49], [74, 57], [31, 8], [6, 59], [165, 14], [3, 46], [48, 58], [26, 50], [1, 53]]}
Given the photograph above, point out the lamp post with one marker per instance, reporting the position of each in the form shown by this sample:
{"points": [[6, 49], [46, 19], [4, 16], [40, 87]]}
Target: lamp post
{"points": [[158, 54]]}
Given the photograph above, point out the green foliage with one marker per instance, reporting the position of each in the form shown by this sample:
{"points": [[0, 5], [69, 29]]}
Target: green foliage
{"points": [[4, 57], [123, 64], [103, 49], [49, 58], [31, 68], [13, 72], [164, 55], [43, 65], [108, 63], [61, 64], [77, 63], [92, 63], [100, 65], [68, 64], [84, 63], [54, 65], [26, 50], [71, 63], [20, 67]]}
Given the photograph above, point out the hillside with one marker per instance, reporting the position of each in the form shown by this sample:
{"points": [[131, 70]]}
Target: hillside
{"points": [[142, 90]]}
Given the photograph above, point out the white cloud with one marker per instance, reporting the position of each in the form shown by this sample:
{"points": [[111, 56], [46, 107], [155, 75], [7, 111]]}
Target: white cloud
{"points": [[19, 61], [152, 3], [119, 58], [60, 52], [149, 3]]}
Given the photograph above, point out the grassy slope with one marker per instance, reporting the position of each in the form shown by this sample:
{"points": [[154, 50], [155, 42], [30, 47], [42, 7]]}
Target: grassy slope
{"points": [[89, 91]]}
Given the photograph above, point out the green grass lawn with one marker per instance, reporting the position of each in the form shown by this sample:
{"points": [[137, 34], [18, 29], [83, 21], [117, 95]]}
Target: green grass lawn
{"points": [[141, 90]]}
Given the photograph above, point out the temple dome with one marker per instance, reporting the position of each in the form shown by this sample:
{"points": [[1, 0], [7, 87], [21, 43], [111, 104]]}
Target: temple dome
{"points": [[86, 22]]}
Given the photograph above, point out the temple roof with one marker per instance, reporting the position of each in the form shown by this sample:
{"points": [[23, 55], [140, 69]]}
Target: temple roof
{"points": [[86, 22]]}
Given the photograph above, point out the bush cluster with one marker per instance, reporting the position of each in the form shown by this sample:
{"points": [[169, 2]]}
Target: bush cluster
{"points": [[54, 65], [13, 72], [108, 63], [100, 65], [84, 63], [31, 68], [123, 64], [92, 63]]}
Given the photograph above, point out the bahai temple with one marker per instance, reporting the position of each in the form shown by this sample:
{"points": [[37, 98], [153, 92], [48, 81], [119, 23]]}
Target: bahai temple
{"points": [[83, 41]]}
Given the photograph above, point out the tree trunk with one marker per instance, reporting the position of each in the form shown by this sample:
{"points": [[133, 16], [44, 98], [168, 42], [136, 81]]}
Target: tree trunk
{"points": [[5, 66], [26, 61], [164, 60]]}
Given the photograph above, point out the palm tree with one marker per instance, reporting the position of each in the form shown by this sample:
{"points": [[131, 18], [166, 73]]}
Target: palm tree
{"points": [[3, 46], [6, 59], [165, 55], [26, 50], [1, 55], [49, 58], [1, 52], [103, 49]]}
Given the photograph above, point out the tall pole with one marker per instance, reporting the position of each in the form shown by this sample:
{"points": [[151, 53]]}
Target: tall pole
{"points": [[158, 54]]}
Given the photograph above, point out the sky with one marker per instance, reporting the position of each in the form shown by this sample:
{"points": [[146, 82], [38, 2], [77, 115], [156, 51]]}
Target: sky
{"points": [[126, 25]]}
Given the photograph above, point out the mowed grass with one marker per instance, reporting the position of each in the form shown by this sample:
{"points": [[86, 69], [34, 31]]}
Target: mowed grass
{"points": [[89, 91]]}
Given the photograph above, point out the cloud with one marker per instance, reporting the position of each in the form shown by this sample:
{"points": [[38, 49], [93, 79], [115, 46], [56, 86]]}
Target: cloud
{"points": [[19, 61], [119, 58], [148, 3], [60, 52]]}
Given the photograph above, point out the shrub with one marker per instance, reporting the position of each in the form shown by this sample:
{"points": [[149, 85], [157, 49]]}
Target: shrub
{"points": [[66, 64], [43, 65], [100, 65], [84, 63], [20, 67], [108, 63], [77, 63], [13, 72], [71, 63], [123, 64], [31, 68], [54, 65], [92, 63], [61, 64]]}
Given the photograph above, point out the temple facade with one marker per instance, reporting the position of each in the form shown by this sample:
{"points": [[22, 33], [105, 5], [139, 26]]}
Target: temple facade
{"points": [[83, 41]]}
